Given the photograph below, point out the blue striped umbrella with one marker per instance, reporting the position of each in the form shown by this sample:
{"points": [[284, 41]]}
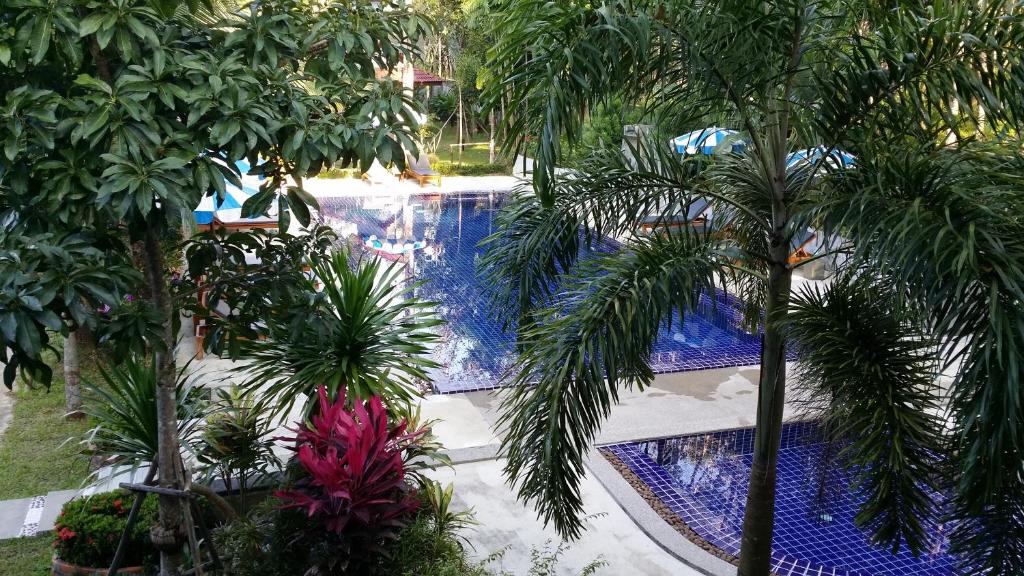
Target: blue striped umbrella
{"points": [[836, 158], [233, 199], [706, 141]]}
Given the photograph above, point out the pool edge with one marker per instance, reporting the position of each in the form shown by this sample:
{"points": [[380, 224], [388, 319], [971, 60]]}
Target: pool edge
{"points": [[651, 523]]}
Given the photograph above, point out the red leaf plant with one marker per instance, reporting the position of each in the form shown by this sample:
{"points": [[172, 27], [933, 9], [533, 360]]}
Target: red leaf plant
{"points": [[356, 477]]}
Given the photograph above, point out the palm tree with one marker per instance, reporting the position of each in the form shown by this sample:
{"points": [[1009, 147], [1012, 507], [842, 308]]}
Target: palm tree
{"points": [[929, 228]]}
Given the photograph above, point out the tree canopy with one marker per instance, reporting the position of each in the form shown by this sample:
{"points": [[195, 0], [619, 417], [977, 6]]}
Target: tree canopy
{"points": [[118, 117], [924, 226]]}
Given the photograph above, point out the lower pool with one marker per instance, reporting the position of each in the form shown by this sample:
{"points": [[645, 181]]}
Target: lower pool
{"points": [[437, 239], [703, 479]]}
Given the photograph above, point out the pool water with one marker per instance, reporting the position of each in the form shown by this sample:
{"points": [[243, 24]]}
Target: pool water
{"points": [[475, 352], [703, 479]]}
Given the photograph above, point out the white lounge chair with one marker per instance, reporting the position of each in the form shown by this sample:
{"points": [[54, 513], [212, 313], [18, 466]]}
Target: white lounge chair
{"points": [[379, 174]]}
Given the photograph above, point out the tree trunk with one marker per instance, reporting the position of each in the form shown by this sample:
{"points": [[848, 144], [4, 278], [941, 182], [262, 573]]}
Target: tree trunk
{"points": [[72, 378], [490, 140], [759, 516], [168, 535], [462, 123]]}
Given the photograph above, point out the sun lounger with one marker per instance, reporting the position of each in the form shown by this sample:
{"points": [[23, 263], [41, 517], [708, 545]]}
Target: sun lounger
{"points": [[802, 244], [694, 217], [420, 170]]}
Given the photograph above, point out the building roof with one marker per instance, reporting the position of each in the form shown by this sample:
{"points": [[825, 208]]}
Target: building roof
{"points": [[424, 77]]}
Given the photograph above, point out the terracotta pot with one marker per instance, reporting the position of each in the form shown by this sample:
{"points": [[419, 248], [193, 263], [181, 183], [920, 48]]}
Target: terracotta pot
{"points": [[62, 568]]}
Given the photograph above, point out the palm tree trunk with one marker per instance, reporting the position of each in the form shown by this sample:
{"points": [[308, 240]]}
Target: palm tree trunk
{"points": [[759, 516], [461, 124], [490, 140], [168, 535], [72, 379]]}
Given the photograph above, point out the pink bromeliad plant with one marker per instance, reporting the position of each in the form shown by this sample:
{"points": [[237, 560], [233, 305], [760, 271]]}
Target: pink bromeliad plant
{"points": [[355, 485]]}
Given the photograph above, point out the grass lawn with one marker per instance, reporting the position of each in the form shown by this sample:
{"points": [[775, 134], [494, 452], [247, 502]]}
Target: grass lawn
{"points": [[474, 160], [475, 154], [32, 457], [26, 556]]}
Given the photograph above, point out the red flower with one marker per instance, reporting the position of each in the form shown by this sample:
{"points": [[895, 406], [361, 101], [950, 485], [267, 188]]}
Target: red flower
{"points": [[117, 506], [66, 534]]}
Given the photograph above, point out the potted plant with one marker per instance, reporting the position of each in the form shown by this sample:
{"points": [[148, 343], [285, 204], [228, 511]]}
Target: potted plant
{"points": [[88, 530]]}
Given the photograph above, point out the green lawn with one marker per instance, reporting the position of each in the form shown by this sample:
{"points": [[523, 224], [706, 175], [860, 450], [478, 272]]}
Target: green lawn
{"points": [[26, 556], [35, 453], [474, 159], [446, 160]]}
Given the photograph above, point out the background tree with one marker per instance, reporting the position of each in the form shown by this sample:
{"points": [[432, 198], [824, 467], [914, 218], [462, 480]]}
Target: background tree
{"points": [[117, 117], [932, 230]]}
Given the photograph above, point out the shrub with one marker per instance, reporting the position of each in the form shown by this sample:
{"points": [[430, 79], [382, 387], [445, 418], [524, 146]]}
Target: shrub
{"points": [[88, 530], [123, 406], [234, 445], [354, 489], [448, 168], [421, 550]]}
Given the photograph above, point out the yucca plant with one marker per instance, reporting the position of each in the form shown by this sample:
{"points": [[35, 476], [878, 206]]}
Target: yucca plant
{"points": [[446, 522], [235, 445], [360, 333], [926, 224], [123, 405]]}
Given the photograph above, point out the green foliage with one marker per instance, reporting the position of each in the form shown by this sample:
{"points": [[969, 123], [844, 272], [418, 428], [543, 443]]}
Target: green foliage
{"points": [[447, 168], [871, 370], [443, 106], [438, 500], [221, 270], [234, 444], [88, 530], [45, 280], [120, 116], [422, 549], [123, 406], [362, 333]]}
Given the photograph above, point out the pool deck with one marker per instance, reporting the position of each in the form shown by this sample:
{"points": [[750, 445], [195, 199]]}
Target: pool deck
{"points": [[676, 404]]}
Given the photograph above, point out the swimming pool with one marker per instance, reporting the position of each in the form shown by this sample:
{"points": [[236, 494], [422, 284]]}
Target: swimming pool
{"points": [[437, 237], [703, 479]]}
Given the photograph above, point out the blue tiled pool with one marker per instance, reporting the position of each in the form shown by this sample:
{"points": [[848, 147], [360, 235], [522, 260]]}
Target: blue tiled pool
{"points": [[703, 479], [475, 352]]}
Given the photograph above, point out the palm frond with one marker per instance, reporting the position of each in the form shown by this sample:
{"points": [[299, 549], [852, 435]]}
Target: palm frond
{"points": [[871, 371], [608, 196], [951, 64], [577, 56], [946, 223], [581, 351], [362, 332]]}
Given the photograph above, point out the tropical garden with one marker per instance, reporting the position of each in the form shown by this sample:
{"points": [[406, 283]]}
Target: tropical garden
{"points": [[925, 225], [117, 118]]}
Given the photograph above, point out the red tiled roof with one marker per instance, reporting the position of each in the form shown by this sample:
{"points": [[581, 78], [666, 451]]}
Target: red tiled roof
{"points": [[424, 77]]}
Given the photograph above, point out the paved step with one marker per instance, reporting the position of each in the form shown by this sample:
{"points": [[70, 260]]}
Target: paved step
{"points": [[12, 516]]}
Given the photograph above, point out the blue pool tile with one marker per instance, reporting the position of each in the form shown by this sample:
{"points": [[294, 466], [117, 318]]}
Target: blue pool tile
{"points": [[476, 353], [703, 479]]}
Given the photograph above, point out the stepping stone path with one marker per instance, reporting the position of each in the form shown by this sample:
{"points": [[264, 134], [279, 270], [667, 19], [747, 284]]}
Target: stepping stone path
{"points": [[27, 517]]}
